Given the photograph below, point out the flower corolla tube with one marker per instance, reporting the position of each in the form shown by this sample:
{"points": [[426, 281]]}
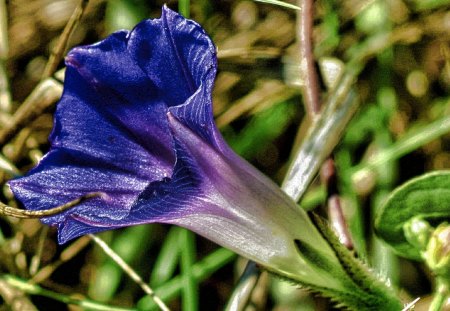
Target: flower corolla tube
{"points": [[135, 123]]}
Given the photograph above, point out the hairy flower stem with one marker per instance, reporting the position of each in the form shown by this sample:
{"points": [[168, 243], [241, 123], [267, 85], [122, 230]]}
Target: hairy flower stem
{"points": [[368, 293]]}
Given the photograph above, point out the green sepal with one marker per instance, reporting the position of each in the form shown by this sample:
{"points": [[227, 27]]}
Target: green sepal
{"points": [[426, 197], [364, 291], [360, 289]]}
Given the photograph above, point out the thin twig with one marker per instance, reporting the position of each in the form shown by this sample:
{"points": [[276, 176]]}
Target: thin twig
{"points": [[60, 48], [16, 151], [32, 289], [5, 95], [311, 94], [20, 213], [312, 104], [46, 93], [3, 30], [128, 270], [335, 214]]}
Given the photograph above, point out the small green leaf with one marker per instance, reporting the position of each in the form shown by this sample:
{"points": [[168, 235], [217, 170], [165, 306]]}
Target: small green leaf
{"points": [[427, 197]]}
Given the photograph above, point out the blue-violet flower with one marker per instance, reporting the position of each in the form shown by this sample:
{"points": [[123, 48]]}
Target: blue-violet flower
{"points": [[135, 123]]}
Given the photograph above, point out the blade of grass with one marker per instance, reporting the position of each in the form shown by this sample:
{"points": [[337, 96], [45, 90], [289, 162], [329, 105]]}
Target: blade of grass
{"points": [[190, 285], [322, 137], [184, 7], [36, 259], [167, 260], [200, 270], [416, 138]]}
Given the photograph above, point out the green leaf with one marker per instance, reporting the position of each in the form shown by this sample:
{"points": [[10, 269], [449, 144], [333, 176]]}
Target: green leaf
{"points": [[427, 197]]}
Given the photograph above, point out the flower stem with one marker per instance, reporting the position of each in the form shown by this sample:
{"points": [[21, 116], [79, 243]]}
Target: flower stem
{"points": [[363, 290]]}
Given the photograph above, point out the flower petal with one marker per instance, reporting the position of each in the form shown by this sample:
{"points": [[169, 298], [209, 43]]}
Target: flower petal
{"points": [[62, 176], [107, 136], [161, 201], [227, 202], [175, 53], [103, 80], [135, 122], [185, 59], [241, 209]]}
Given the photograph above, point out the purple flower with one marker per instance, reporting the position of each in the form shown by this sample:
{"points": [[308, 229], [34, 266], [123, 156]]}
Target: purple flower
{"points": [[135, 123]]}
